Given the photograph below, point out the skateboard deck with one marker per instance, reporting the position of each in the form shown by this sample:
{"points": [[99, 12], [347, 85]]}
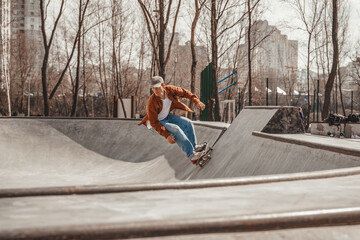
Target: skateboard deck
{"points": [[202, 161]]}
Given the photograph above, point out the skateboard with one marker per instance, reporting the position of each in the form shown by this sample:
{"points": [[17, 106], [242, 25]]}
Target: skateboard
{"points": [[205, 157]]}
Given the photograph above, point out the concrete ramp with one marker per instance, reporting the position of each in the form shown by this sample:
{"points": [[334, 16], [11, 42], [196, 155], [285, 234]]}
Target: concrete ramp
{"points": [[45, 152], [240, 153], [73, 152], [111, 179]]}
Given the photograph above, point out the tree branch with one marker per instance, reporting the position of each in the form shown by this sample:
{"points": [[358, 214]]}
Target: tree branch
{"points": [[173, 33]]}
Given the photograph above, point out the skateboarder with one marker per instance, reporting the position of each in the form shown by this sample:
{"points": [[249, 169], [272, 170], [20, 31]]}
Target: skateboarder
{"points": [[175, 129]]}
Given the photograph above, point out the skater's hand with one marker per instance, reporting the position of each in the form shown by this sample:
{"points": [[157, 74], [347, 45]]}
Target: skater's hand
{"points": [[201, 106], [171, 139]]}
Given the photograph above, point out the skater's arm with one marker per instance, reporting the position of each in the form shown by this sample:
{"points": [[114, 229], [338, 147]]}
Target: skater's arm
{"points": [[183, 93]]}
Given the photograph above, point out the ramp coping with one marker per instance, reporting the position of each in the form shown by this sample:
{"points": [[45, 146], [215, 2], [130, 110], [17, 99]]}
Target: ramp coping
{"points": [[192, 184], [269, 107], [157, 228], [313, 142]]}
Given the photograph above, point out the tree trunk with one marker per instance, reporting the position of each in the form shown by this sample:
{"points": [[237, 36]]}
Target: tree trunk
{"points": [[62, 75], [249, 50], [6, 51], [47, 46], [308, 83], [76, 89], [330, 82], [84, 76], [193, 53], [77, 78], [116, 67], [160, 29], [102, 77], [141, 64], [44, 83], [162, 40], [214, 58], [340, 90]]}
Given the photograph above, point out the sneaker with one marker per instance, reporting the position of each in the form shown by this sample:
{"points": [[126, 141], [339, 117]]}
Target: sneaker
{"points": [[201, 147], [196, 157]]}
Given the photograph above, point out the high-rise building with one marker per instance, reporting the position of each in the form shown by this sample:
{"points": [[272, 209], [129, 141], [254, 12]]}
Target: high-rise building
{"points": [[273, 57], [180, 60], [25, 31], [25, 19], [21, 50]]}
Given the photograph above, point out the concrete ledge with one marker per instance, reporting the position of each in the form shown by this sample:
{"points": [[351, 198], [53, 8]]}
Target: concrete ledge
{"points": [[270, 107], [246, 223], [341, 146], [214, 125], [100, 189]]}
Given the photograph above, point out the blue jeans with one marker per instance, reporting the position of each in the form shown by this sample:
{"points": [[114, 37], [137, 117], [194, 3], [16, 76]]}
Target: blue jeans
{"points": [[182, 129]]}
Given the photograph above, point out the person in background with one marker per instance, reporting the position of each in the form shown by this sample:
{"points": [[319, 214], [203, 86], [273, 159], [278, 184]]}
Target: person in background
{"points": [[301, 114]]}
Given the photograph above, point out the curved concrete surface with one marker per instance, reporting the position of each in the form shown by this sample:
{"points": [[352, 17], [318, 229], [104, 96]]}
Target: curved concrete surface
{"points": [[290, 182], [260, 207], [70, 152], [194, 184], [74, 152], [239, 153]]}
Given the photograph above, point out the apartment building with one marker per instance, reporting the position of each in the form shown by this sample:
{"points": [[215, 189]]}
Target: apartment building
{"points": [[25, 32], [274, 56]]}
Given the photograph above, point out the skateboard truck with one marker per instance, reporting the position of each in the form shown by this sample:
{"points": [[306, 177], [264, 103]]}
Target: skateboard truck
{"points": [[205, 158]]}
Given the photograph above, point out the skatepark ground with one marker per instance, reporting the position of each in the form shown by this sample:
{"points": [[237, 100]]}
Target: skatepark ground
{"points": [[109, 178]]}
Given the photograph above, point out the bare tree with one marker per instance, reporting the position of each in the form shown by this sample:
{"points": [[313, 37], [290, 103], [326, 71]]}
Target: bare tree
{"points": [[230, 16], [122, 51], [214, 61], [330, 81], [73, 48], [158, 24], [103, 80], [5, 46], [249, 48], [258, 42], [84, 74], [47, 45], [343, 38], [23, 59], [81, 16], [236, 59], [220, 24], [198, 6], [310, 21], [322, 45], [141, 57], [355, 73]]}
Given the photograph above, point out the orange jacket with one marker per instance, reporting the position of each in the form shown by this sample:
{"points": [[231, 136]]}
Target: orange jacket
{"points": [[154, 106]]}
